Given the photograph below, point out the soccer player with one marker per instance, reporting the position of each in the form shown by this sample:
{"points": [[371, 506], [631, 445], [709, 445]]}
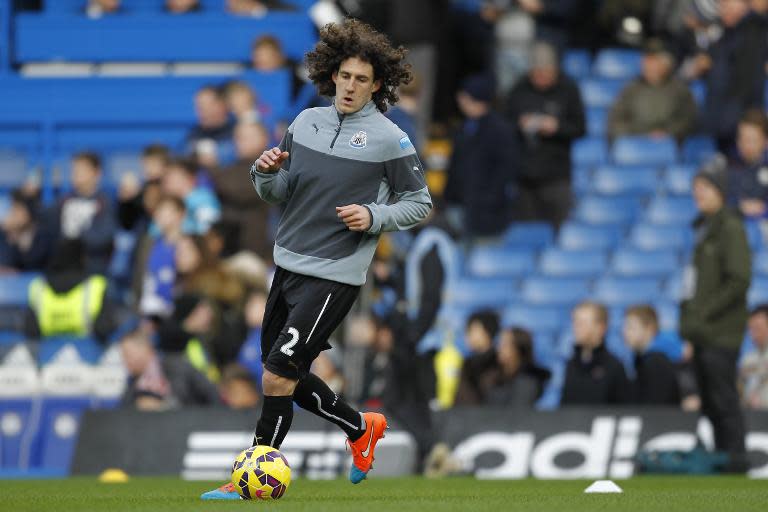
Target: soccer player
{"points": [[345, 174]]}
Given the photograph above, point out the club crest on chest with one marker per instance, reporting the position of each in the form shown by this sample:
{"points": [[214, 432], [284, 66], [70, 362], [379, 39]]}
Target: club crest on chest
{"points": [[359, 140]]}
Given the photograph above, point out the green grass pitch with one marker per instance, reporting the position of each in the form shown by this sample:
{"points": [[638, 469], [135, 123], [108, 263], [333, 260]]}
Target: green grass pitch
{"points": [[645, 494]]}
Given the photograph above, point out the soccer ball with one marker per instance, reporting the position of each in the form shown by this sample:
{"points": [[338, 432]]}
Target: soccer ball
{"points": [[261, 472]]}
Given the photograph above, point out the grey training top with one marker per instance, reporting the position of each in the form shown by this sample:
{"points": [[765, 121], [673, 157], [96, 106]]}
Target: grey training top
{"points": [[338, 160]]}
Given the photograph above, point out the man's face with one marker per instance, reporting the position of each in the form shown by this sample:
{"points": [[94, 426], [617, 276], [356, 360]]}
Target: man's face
{"points": [[180, 6], [85, 177], [136, 356], [176, 182], [469, 106], [507, 354], [266, 57], [587, 330], [655, 68], [758, 330], [751, 142], [211, 110], [250, 140], [153, 167], [637, 335], [18, 217], [354, 85], [707, 197], [239, 394], [543, 78], [732, 11], [167, 217], [478, 339], [240, 101], [254, 310], [108, 5]]}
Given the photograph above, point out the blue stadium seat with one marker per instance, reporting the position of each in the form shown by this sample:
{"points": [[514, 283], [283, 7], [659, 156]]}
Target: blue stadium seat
{"points": [[564, 291], [119, 163], [589, 151], [671, 210], [613, 180], [119, 138], [668, 313], [655, 236], [617, 63], [699, 90], [581, 180], [13, 169], [615, 210], [758, 291], [535, 318], [479, 293], [600, 92], [637, 262], [678, 179], [760, 263], [755, 235], [575, 235], [88, 349], [59, 425], [624, 291], [501, 262], [5, 204], [544, 349], [529, 234], [597, 121], [614, 342], [19, 414], [577, 64], [698, 149], [570, 263], [644, 151], [673, 287], [14, 288]]}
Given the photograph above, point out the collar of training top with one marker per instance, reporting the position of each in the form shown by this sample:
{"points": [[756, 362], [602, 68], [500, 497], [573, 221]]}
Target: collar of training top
{"points": [[368, 109]]}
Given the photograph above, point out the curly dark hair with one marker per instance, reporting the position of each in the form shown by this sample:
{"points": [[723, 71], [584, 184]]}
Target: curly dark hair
{"points": [[339, 42]]}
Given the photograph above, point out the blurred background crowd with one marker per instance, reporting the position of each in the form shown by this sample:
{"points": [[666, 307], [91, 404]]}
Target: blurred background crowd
{"points": [[561, 139]]}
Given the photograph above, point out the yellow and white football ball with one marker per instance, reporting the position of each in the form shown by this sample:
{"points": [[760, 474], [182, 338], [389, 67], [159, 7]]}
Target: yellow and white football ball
{"points": [[261, 472]]}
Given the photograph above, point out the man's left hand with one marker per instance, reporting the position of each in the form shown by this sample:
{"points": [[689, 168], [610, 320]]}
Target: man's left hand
{"points": [[356, 217]]}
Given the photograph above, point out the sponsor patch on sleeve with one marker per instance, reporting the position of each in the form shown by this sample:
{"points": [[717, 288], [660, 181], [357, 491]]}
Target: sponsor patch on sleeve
{"points": [[405, 142]]}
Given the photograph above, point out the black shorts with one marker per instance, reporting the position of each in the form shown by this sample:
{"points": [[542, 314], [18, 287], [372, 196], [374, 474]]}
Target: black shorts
{"points": [[301, 314]]}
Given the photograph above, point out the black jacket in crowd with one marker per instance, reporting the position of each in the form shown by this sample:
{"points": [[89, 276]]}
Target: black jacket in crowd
{"points": [[656, 381], [548, 158], [598, 379], [482, 173]]}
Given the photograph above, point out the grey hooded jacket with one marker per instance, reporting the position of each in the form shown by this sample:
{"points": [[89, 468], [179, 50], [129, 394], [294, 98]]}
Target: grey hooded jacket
{"points": [[338, 160]]}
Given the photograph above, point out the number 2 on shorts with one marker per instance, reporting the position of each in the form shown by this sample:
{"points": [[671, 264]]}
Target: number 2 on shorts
{"points": [[287, 349]]}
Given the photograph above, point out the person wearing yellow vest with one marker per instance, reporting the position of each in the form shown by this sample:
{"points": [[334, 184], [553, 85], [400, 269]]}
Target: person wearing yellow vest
{"points": [[66, 300]]}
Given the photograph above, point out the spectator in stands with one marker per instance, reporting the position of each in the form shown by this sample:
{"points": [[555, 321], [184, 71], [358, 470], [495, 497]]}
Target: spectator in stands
{"points": [[624, 22], [748, 174], [267, 55], [753, 374], [87, 213], [211, 139], [203, 208], [656, 379], [238, 388], [222, 240], [160, 272], [182, 6], [25, 242], [519, 382], [656, 103], [256, 8], [98, 8], [161, 381], [480, 368], [69, 301], [326, 366], [713, 314], [241, 101], [135, 200], [406, 112], [546, 108], [593, 375], [483, 166], [250, 353], [240, 204], [735, 68]]}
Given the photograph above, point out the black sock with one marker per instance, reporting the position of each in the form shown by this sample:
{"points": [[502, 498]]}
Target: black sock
{"points": [[314, 395], [275, 421]]}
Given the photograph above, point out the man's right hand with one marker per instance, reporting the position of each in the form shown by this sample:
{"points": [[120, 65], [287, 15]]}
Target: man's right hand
{"points": [[271, 159]]}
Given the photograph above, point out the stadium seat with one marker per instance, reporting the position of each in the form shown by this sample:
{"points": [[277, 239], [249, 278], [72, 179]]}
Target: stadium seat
{"points": [[550, 398], [673, 287], [5, 204], [13, 169], [632, 262], [758, 291], [699, 90], [589, 151], [755, 235], [671, 210], [577, 64], [698, 149], [678, 179], [535, 318], [668, 313], [565, 291], [614, 342], [597, 121], [544, 349], [644, 151], [581, 180], [572, 263], [87, 349], [624, 291], [575, 235], [501, 262], [479, 293], [14, 288], [653, 237], [529, 234], [613, 180], [617, 210], [760, 263], [600, 92], [617, 63]]}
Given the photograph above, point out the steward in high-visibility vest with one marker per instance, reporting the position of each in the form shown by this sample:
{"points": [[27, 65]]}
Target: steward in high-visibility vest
{"points": [[72, 312]]}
